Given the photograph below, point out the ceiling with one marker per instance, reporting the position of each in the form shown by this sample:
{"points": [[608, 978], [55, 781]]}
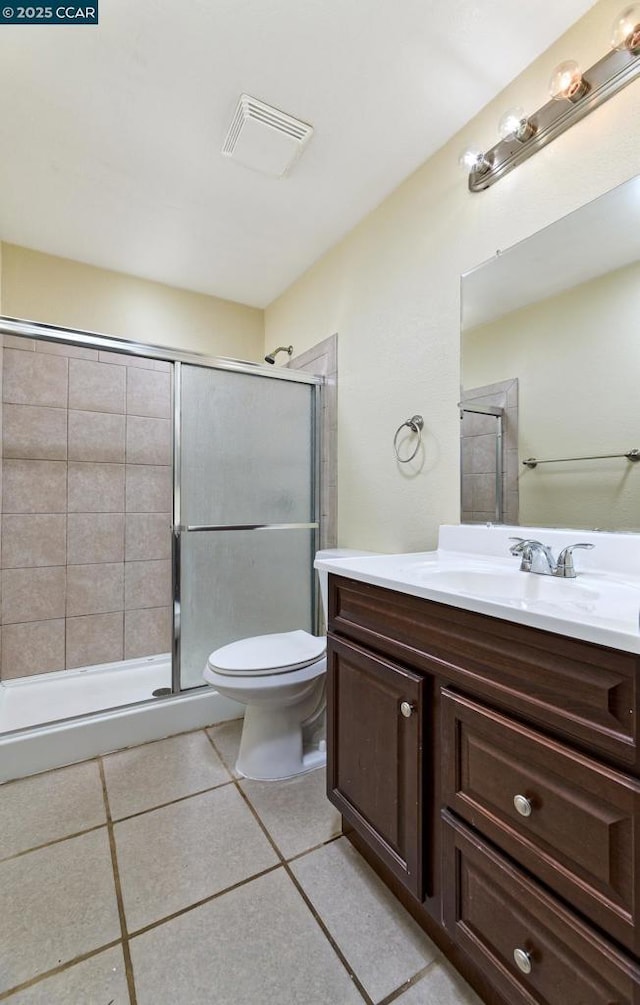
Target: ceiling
{"points": [[111, 135]]}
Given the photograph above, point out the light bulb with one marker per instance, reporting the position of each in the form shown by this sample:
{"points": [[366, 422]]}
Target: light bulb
{"points": [[625, 33], [566, 82], [473, 160], [515, 124]]}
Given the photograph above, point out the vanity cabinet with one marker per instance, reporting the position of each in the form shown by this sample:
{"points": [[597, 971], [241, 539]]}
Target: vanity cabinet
{"points": [[504, 807], [375, 777]]}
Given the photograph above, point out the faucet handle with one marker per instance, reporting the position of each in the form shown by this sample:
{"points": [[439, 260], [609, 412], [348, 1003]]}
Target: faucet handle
{"points": [[565, 568]]}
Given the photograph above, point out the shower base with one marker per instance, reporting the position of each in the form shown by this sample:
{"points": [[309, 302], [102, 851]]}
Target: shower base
{"points": [[49, 720]]}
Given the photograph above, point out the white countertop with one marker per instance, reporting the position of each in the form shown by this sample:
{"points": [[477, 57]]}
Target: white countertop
{"points": [[601, 605]]}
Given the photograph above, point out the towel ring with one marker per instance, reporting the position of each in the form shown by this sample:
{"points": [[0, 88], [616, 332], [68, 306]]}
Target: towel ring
{"points": [[415, 424]]}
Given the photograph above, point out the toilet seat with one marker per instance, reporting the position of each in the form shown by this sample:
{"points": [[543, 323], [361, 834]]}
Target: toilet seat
{"points": [[267, 655]]}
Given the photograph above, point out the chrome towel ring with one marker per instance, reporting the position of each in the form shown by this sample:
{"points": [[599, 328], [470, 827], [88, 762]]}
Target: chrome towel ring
{"points": [[415, 424]]}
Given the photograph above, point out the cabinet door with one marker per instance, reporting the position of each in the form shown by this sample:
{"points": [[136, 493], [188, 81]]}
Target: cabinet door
{"points": [[375, 770]]}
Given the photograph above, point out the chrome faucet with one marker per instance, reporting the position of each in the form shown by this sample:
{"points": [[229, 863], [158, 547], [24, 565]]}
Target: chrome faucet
{"points": [[538, 558]]}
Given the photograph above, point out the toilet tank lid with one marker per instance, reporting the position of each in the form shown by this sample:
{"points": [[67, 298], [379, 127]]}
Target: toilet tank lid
{"points": [[269, 652]]}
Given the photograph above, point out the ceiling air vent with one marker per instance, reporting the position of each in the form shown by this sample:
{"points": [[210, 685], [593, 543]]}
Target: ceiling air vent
{"points": [[263, 138]]}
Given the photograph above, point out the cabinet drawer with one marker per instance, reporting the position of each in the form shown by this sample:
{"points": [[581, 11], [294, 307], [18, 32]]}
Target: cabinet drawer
{"points": [[576, 689], [375, 722], [580, 836], [491, 910]]}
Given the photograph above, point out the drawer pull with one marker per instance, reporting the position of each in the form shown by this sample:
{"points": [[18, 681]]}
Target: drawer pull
{"points": [[523, 960], [523, 806], [406, 708]]}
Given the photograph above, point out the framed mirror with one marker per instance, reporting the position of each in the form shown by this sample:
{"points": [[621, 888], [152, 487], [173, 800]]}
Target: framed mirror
{"points": [[551, 342]]}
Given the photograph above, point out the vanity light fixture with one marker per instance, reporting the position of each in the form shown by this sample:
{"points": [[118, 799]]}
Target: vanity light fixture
{"points": [[573, 95]]}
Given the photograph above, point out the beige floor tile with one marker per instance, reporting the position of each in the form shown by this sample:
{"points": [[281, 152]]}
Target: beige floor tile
{"points": [[226, 737], [43, 808], [258, 944], [99, 981], [155, 773], [380, 940], [175, 856], [440, 986], [55, 904], [296, 812]]}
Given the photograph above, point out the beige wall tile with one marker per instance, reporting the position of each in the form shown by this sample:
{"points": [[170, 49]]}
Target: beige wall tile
{"points": [[148, 440], [34, 432], [70, 351], [95, 589], [95, 538], [96, 436], [147, 584], [37, 647], [149, 488], [33, 539], [124, 359], [18, 342], [33, 594], [96, 488], [147, 632], [96, 387], [34, 486], [94, 639], [30, 378], [148, 393], [148, 536]]}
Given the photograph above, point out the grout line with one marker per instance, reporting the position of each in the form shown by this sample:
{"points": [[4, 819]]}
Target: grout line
{"points": [[49, 844], [116, 878], [394, 995], [323, 928], [58, 970], [171, 802], [316, 847], [204, 900]]}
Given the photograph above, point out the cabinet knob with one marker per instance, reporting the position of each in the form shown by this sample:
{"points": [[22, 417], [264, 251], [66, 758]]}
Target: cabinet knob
{"points": [[522, 805], [522, 960], [406, 708]]}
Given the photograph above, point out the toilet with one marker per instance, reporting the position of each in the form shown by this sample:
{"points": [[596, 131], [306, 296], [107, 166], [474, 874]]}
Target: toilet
{"points": [[281, 680]]}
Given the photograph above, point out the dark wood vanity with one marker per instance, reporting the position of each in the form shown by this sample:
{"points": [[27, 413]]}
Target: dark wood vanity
{"points": [[490, 773]]}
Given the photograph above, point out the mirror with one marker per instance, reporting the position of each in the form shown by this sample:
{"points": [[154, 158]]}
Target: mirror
{"points": [[551, 340]]}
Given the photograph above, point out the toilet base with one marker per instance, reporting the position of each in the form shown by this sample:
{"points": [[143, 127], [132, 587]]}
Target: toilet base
{"points": [[272, 743]]}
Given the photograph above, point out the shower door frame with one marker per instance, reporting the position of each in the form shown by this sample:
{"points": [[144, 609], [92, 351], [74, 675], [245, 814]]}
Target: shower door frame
{"points": [[110, 343], [179, 529]]}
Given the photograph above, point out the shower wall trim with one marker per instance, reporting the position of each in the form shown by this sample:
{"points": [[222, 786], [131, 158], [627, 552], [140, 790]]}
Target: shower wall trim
{"points": [[95, 340]]}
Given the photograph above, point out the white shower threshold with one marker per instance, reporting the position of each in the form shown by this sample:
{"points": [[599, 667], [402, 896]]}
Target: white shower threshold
{"points": [[49, 720]]}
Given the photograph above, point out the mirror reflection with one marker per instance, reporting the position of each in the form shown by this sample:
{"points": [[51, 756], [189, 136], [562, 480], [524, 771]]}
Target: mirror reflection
{"points": [[550, 342]]}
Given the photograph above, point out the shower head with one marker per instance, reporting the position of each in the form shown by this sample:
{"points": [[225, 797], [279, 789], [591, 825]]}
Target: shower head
{"points": [[271, 358]]}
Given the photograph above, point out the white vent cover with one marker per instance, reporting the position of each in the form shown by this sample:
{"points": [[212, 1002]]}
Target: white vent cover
{"points": [[263, 138]]}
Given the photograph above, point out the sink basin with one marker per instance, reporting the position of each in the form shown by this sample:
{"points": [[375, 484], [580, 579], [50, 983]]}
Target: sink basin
{"points": [[517, 589]]}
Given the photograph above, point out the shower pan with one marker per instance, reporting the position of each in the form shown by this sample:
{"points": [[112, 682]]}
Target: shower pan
{"points": [[155, 505]]}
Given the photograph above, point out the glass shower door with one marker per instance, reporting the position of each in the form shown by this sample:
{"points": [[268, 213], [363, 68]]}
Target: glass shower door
{"points": [[246, 530]]}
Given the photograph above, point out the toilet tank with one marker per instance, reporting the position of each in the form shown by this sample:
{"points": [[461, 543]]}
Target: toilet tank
{"points": [[323, 575]]}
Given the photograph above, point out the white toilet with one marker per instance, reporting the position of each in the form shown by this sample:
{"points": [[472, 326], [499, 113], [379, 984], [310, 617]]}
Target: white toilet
{"points": [[281, 680]]}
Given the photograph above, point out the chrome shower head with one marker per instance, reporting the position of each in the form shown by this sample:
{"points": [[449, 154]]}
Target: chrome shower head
{"points": [[271, 358]]}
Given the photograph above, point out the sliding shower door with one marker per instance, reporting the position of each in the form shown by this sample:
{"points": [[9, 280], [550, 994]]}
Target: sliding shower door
{"points": [[246, 510]]}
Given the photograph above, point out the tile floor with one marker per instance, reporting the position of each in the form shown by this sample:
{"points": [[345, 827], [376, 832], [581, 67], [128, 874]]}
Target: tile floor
{"points": [[155, 876]]}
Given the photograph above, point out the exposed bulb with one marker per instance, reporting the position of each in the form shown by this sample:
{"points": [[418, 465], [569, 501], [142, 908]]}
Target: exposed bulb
{"points": [[625, 33], [566, 82], [515, 124], [473, 160]]}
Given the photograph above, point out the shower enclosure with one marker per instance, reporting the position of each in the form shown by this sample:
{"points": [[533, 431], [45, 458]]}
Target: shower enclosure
{"points": [[155, 505]]}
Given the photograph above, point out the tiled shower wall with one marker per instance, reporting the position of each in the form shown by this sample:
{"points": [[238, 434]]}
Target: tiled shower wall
{"points": [[86, 507]]}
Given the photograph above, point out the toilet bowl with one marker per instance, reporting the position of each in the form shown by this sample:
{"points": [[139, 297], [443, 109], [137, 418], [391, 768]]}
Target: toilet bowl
{"points": [[281, 679]]}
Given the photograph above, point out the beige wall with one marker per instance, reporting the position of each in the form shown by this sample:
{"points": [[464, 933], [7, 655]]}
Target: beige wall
{"points": [[577, 358], [58, 291], [391, 289]]}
